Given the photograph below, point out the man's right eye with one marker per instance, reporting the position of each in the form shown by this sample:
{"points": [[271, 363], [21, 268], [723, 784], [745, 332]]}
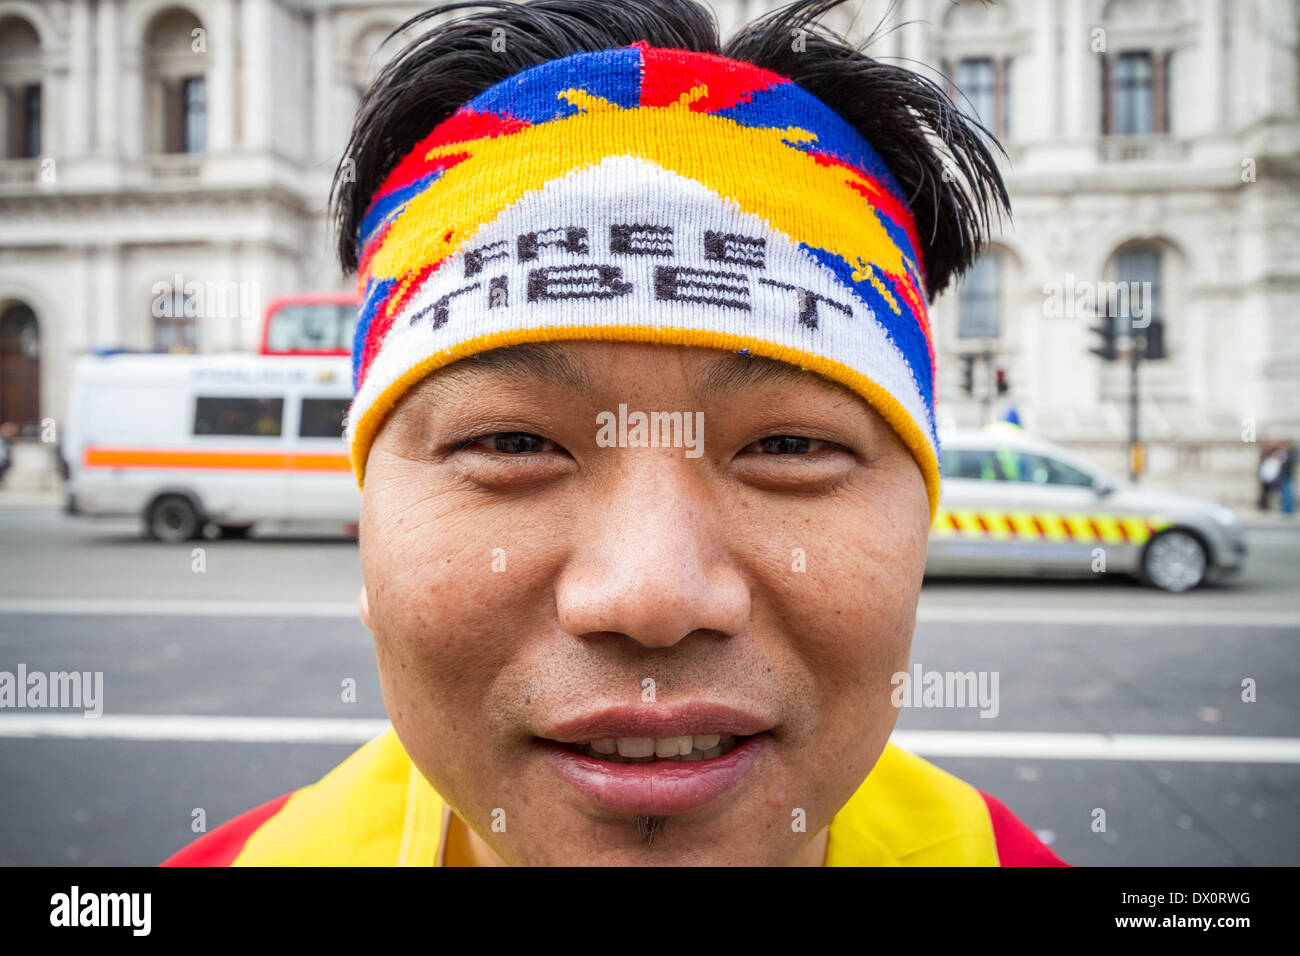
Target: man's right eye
{"points": [[510, 443]]}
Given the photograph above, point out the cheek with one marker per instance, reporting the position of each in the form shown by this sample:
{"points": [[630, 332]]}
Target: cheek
{"points": [[847, 618], [448, 600]]}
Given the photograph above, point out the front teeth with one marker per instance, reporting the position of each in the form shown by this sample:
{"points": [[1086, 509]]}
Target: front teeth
{"points": [[696, 747]]}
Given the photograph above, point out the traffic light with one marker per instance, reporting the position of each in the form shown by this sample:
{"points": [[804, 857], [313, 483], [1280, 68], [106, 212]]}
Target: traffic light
{"points": [[1106, 333], [968, 374], [1002, 381]]}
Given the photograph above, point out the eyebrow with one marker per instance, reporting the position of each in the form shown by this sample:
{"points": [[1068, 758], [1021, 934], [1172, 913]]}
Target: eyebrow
{"points": [[531, 362]]}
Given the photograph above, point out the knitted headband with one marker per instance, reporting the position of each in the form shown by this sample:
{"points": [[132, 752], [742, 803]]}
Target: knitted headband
{"points": [[646, 195]]}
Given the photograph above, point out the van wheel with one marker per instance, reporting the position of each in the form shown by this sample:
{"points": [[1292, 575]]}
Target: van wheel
{"points": [[1175, 561], [238, 531], [173, 519]]}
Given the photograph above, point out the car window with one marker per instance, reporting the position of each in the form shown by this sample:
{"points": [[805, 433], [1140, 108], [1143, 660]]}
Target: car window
{"points": [[1063, 474], [1041, 470], [976, 463]]}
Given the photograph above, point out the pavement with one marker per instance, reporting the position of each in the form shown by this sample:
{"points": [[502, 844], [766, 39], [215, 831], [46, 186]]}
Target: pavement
{"points": [[1121, 734]]}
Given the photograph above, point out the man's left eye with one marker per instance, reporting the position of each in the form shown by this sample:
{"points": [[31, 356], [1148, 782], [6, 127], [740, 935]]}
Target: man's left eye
{"points": [[788, 445]]}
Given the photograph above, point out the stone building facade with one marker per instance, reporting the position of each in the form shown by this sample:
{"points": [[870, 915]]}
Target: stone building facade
{"points": [[182, 150]]}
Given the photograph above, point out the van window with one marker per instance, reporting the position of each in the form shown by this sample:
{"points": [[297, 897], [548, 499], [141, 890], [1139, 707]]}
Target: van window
{"points": [[230, 415], [322, 417]]}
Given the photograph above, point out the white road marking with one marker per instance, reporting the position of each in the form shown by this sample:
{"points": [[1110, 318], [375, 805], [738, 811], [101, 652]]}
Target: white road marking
{"points": [[1190, 616], [927, 743], [1074, 746], [314, 730], [170, 607]]}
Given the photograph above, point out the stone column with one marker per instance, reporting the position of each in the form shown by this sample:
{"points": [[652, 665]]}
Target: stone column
{"points": [[222, 102], [258, 92], [108, 79]]}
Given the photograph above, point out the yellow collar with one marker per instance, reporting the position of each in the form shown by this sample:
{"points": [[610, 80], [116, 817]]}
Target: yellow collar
{"points": [[377, 809]]}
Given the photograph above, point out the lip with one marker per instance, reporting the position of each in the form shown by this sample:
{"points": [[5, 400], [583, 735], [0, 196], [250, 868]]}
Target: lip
{"points": [[658, 721], [661, 787]]}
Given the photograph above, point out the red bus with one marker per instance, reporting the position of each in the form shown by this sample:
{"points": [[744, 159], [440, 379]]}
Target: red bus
{"points": [[309, 323]]}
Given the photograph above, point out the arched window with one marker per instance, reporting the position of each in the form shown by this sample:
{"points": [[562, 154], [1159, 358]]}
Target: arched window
{"points": [[1134, 302], [1136, 92], [21, 72], [176, 83], [979, 299], [976, 46], [20, 367]]}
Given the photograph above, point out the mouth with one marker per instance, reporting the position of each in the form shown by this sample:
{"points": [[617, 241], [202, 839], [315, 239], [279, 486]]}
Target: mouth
{"points": [[658, 761], [636, 750]]}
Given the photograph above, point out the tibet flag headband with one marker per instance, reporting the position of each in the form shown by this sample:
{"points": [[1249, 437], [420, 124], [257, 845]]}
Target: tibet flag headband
{"points": [[651, 195]]}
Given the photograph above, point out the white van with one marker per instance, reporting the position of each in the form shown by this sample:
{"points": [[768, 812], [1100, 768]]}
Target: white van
{"points": [[187, 441]]}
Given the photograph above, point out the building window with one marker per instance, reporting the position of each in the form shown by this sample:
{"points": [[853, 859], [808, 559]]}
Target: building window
{"points": [[1135, 94], [979, 300], [22, 68], [27, 122], [24, 109], [175, 86], [1005, 100], [983, 87], [975, 80], [20, 367], [1138, 300], [195, 114], [175, 333]]}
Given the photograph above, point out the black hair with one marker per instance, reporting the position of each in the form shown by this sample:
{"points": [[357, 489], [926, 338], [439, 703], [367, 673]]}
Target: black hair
{"points": [[941, 159]]}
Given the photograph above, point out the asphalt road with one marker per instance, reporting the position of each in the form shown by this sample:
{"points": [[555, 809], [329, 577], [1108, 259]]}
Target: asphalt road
{"points": [[1100, 683]]}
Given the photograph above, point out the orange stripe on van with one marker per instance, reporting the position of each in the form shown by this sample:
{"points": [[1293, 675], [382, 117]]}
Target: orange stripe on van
{"points": [[226, 460]]}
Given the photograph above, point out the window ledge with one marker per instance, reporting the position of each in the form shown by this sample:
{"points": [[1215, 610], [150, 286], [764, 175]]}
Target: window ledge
{"points": [[1138, 148], [173, 166], [19, 172]]}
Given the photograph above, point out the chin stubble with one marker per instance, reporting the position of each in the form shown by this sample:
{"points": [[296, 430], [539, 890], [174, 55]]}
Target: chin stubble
{"points": [[650, 827]]}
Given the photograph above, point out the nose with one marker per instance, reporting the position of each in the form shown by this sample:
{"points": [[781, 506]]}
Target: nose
{"points": [[652, 564]]}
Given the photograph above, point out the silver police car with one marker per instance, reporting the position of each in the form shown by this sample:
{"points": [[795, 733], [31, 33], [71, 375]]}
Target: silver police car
{"points": [[1016, 504]]}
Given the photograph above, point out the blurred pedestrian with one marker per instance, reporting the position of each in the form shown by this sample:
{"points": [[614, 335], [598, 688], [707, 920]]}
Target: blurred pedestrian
{"points": [[1286, 478], [1270, 474], [8, 431]]}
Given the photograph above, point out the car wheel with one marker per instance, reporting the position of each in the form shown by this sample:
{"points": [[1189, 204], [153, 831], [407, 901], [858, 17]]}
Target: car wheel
{"points": [[1175, 561], [173, 519]]}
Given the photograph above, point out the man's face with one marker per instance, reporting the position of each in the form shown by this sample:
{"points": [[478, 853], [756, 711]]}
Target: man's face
{"points": [[535, 594]]}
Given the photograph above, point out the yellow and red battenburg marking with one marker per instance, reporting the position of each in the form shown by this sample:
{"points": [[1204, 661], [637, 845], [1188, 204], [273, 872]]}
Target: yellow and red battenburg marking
{"points": [[1047, 526]]}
